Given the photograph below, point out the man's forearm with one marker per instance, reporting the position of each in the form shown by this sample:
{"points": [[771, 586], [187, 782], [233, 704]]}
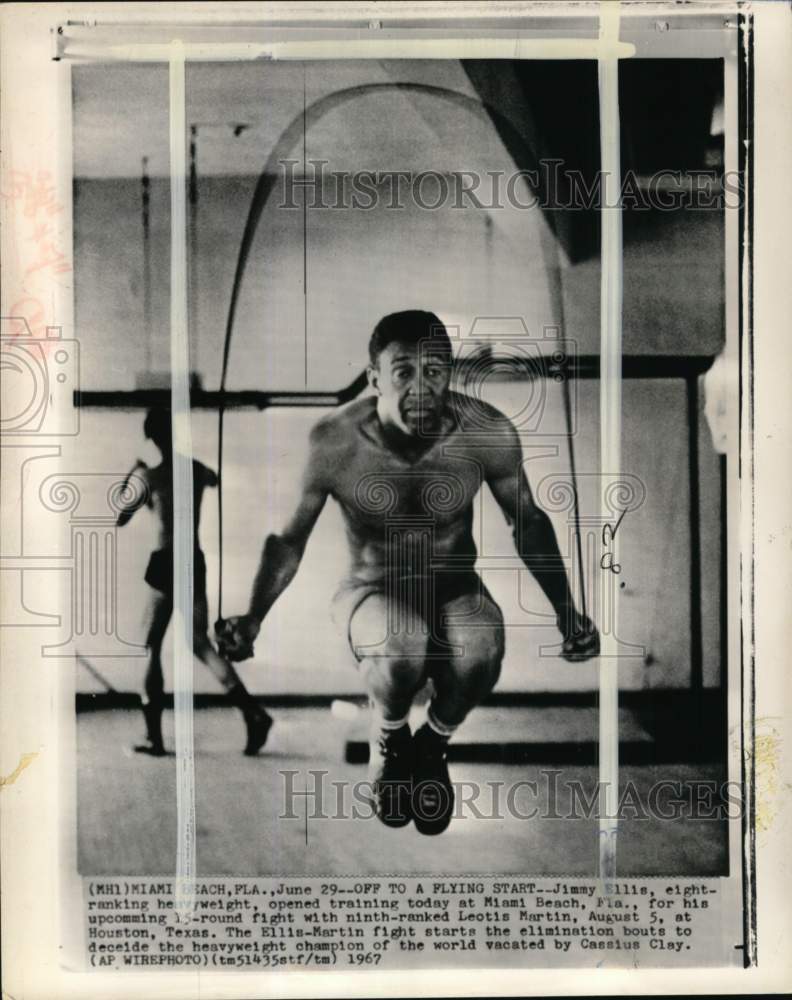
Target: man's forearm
{"points": [[125, 515], [538, 548], [279, 563]]}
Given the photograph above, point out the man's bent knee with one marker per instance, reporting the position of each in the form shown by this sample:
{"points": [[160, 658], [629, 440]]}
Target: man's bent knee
{"points": [[401, 673], [377, 631], [478, 670], [477, 664], [397, 646]]}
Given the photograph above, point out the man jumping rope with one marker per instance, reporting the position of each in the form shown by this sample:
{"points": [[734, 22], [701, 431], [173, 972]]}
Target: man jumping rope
{"points": [[159, 576], [405, 465]]}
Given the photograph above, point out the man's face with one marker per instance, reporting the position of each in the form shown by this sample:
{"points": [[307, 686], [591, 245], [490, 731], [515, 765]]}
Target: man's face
{"points": [[412, 384]]}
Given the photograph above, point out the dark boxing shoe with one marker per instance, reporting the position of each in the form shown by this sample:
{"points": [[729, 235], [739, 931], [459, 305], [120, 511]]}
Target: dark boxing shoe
{"points": [[433, 793], [152, 745], [390, 774], [258, 721], [258, 727], [150, 749]]}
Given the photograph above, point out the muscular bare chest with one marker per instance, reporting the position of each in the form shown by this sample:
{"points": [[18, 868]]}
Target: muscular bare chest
{"points": [[376, 485]]}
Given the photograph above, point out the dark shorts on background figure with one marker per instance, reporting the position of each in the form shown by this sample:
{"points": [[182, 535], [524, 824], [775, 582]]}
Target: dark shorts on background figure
{"points": [[159, 572]]}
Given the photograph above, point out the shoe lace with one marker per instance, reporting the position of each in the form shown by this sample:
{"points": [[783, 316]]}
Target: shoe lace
{"points": [[431, 750], [393, 744], [388, 748]]}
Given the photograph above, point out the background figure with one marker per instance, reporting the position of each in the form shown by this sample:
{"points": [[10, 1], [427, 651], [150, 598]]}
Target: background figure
{"points": [[159, 577]]}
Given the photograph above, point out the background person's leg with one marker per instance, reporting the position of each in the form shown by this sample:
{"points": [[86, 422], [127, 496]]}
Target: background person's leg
{"points": [[258, 721], [156, 617]]}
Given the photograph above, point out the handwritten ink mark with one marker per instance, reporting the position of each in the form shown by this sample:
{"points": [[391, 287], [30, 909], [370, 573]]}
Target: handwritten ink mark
{"points": [[608, 535]]}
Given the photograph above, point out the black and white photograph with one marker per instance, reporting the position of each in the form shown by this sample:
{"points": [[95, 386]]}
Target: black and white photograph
{"points": [[381, 508], [411, 486]]}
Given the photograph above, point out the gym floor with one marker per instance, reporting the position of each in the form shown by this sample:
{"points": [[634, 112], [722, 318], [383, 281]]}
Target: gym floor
{"points": [[127, 806]]}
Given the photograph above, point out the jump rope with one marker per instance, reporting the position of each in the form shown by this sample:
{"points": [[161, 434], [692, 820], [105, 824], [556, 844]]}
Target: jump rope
{"points": [[294, 133]]}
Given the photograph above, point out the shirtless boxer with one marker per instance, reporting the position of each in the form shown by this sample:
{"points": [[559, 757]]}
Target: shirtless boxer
{"points": [[405, 465], [159, 577]]}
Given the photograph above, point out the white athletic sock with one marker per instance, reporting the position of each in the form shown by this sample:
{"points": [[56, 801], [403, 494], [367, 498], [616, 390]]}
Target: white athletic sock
{"points": [[380, 724], [442, 730]]}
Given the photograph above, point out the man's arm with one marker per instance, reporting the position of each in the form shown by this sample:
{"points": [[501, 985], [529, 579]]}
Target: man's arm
{"points": [[281, 555], [125, 514], [536, 543], [283, 552]]}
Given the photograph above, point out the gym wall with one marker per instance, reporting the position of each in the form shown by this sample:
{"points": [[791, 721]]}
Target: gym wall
{"points": [[461, 265]]}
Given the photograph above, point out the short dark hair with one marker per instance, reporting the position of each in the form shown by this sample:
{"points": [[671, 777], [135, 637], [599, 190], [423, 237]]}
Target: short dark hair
{"points": [[413, 326], [157, 426]]}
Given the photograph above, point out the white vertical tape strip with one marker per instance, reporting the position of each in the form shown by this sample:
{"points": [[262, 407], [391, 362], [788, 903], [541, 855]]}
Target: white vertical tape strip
{"points": [[183, 522], [610, 418]]}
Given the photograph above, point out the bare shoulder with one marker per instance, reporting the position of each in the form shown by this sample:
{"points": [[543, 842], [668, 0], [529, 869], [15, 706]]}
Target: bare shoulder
{"points": [[335, 437], [482, 419], [337, 430]]}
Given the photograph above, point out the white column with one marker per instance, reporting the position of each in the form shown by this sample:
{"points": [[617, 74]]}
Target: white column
{"points": [[610, 417], [183, 523]]}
